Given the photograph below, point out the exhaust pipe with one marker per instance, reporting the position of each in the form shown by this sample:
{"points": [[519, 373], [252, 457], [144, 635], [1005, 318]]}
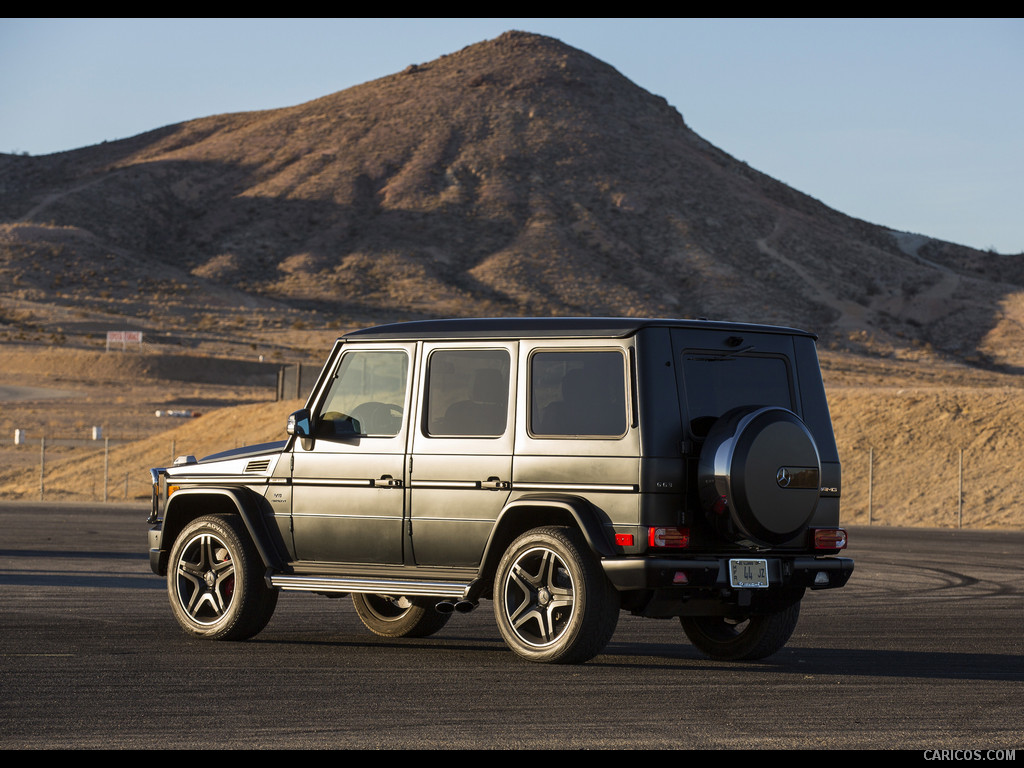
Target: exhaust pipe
{"points": [[449, 606]]}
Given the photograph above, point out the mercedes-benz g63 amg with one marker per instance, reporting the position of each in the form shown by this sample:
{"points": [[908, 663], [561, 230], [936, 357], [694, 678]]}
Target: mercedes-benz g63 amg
{"points": [[565, 469]]}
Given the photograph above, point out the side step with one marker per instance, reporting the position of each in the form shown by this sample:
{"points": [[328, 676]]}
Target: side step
{"points": [[394, 587]]}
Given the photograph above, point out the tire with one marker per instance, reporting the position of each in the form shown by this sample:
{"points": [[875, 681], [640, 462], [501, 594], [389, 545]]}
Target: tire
{"points": [[552, 601], [215, 581], [399, 616], [756, 637]]}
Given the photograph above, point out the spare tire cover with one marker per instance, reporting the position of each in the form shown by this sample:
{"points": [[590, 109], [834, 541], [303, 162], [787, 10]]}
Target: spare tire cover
{"points": [[759, 469]]}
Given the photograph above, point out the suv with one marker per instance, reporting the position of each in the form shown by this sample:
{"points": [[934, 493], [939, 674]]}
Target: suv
{"points": [[565, 469]]}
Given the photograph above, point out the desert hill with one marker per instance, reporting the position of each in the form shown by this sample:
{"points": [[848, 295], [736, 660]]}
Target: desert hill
{"points": [[515, 176]]}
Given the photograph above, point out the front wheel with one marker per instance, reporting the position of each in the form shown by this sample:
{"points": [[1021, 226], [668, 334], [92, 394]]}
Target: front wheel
{"points": [[399, 616], [215, 581], [552, 601], [755, 637]]}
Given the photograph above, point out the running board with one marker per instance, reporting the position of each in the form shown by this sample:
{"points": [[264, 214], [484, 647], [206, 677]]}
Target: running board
{"points": [[394, 587]]}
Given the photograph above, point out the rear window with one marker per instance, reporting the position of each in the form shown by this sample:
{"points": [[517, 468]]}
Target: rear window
{"points": [[578, 394], [716, 383]]}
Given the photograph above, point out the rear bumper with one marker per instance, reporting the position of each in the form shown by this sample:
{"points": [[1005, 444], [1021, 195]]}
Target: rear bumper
{"points": [[703, 572]]}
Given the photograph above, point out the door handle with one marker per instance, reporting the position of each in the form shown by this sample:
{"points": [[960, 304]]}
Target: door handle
{"points": [[496, 484], [387, 481]]}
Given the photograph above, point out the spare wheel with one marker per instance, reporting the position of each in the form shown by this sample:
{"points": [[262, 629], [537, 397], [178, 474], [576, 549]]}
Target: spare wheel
{"points": [[759, 475]]}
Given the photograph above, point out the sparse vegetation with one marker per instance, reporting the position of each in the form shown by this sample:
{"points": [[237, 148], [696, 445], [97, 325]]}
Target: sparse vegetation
{"points": [[489, 184]]}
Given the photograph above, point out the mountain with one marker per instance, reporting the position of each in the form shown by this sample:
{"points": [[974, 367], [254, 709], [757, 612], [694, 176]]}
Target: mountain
{"points": [[515, 176]]}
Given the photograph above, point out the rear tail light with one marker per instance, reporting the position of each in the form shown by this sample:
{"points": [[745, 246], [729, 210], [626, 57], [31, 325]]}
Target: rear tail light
{"points": [[829, 538], [668, 537]]}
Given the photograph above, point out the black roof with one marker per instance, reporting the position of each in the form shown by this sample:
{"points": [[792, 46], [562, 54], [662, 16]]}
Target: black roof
{"points": [[540, 327]]}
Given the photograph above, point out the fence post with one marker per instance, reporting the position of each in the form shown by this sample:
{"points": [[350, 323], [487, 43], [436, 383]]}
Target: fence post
{"points": [[960, 493], [871, 468], [42, 464], [106, 466]]}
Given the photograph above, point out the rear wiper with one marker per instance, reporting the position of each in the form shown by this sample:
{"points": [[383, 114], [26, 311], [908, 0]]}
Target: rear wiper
{"points": [[719, 357]]}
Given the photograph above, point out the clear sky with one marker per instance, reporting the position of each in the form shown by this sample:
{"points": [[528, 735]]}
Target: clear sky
{"points": [[914, 124]]}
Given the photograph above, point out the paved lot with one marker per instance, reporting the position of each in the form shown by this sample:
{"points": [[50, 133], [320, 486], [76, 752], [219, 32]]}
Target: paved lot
{"points": [[922, 650]]}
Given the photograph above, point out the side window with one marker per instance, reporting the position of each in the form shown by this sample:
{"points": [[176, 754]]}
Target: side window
{"points": [[366, 396], [578, 394], [467, 393]]}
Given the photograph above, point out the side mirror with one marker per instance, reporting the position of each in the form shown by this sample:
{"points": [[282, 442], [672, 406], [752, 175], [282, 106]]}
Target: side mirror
{"points": [[298, 424]]}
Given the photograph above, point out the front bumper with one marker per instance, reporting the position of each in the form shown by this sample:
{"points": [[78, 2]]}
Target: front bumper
{"points": [[157, 556]]}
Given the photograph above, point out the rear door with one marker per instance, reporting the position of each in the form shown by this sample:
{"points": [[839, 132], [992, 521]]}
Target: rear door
{"points": [[462, 449]]}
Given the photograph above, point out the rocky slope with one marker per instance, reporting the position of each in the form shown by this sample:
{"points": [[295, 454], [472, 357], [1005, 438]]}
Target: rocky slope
{"points": [[516, 176]]}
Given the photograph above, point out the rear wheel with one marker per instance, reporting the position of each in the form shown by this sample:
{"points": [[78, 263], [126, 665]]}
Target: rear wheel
{"points": [[552, 601], [399, 616], [753, 637], [215, 581]]}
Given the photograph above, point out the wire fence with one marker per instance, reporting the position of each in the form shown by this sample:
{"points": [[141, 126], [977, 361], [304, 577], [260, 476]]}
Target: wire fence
{"points": [[959, 487], [933, 485], [907, 485], [80, 469]]}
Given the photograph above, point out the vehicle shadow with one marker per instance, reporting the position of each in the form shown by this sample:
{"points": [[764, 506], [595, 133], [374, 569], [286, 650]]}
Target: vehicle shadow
{"points": [[665, 657], [833, 662]]}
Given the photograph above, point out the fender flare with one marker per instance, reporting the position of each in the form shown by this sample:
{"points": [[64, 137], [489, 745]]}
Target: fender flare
{"points": [[245, 503], [571, 508]]}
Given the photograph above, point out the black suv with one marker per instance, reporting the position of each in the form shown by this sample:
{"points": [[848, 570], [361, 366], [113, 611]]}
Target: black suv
{"points": [[565, 469]]}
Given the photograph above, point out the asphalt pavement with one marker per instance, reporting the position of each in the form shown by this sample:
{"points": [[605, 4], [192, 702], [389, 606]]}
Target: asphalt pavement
{"points": [[921, 651]]}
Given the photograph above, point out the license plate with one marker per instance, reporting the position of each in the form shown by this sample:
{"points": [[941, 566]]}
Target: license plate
{"points": [[748, 573]]}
